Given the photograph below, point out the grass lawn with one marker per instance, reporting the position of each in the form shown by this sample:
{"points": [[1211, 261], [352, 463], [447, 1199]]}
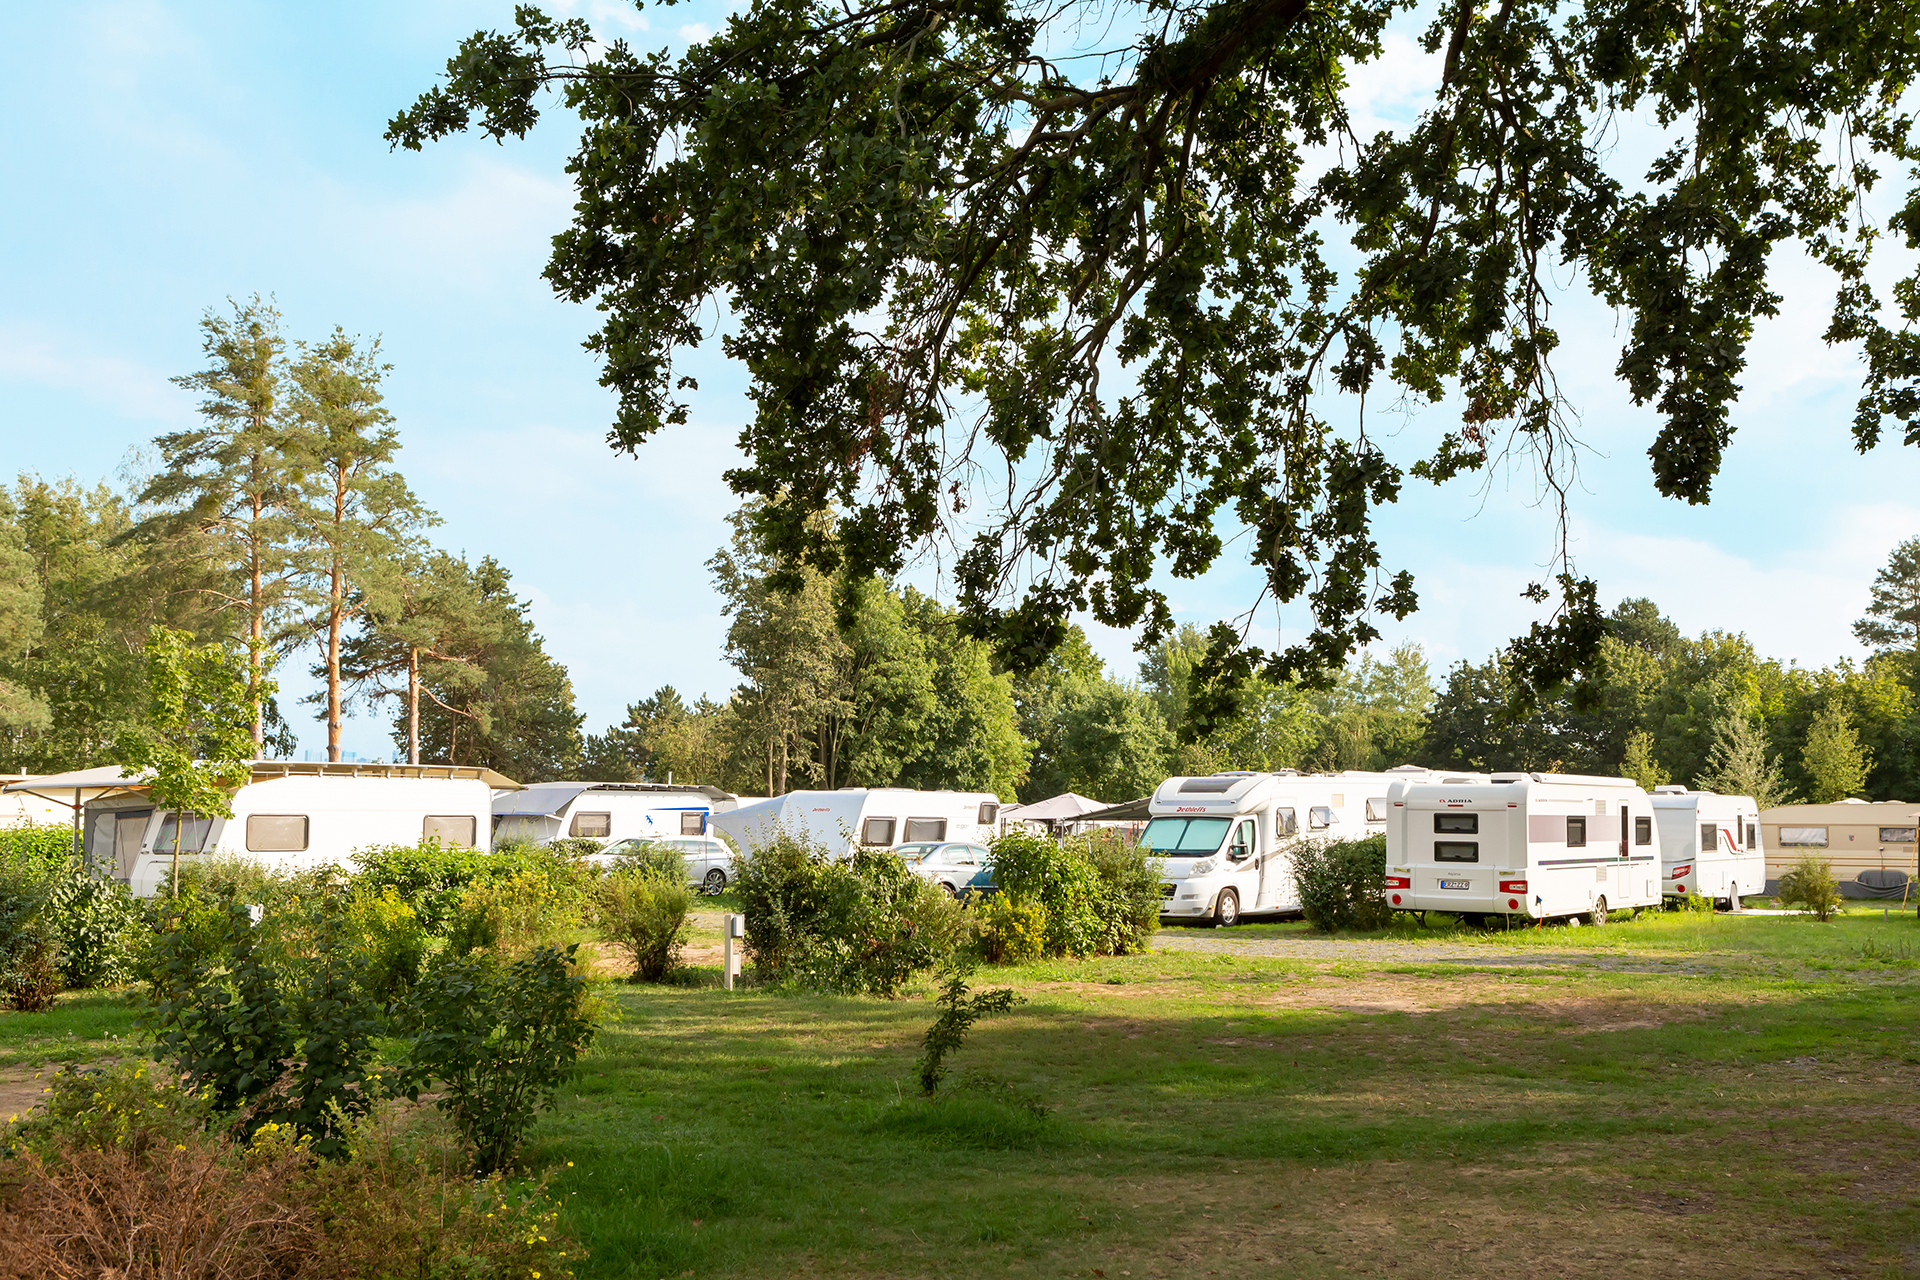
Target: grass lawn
{"points": [[1677, 1095]]}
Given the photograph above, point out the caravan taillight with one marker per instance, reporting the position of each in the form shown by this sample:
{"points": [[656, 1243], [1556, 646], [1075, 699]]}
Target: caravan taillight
{"points": [[1513, 886], [1399, 882], [1678, 872]]}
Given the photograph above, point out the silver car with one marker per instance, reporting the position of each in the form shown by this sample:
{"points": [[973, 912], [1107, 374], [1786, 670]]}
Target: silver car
{"points": [[709, 861], [954, 865]]}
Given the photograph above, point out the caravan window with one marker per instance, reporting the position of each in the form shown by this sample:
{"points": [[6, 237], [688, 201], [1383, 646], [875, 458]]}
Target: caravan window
{"points": [[452, 830], [693, 824], [877, 831], [1377, 810], [1456, 851], [1459, 824], [592, 826], [1285, 823], [277, 833], [1185, 837], [192, 832], [1896, 835], [1319, 817], [1753, 836], [926, 828], [1643, 830], [989, 814], [1709, 837], [1811, 836], [1576, 833]]}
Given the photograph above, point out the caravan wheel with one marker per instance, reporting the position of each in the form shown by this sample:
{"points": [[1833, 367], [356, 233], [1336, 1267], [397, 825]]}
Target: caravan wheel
{"points": [[1226, 913], [1599, 913]]}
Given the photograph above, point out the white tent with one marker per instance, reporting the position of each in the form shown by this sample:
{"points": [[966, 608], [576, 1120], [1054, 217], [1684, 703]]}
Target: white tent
{"points": [[1060, 810]]}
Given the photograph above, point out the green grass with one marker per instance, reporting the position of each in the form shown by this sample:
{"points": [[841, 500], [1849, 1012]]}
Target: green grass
{"points": [[82, 1026], [1539, 1107]]}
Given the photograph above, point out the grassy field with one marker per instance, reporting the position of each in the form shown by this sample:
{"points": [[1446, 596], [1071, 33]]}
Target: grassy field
{"points": [[1677, 1095]]}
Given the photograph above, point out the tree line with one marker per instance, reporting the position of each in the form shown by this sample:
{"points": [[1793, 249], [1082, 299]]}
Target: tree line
{"points": [[279, 522]]}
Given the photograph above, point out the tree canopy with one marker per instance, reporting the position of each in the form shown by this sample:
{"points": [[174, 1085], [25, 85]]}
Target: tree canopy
{"points": [[1079, 288]]}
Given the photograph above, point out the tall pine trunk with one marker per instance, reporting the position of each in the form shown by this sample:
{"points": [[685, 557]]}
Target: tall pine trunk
{"points": [[413, 704], [336, 614], [256, 637]]}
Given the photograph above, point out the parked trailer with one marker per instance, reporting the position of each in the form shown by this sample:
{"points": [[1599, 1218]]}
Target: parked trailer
{"points": [[1223, 838], [547, 811], [1710, 845], [860, 817], [1536, 845], [289, 816]]}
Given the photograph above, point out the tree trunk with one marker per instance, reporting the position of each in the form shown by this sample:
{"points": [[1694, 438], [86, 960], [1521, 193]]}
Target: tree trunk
{"points": [[255, 632], [336, 614], [413, 705]]}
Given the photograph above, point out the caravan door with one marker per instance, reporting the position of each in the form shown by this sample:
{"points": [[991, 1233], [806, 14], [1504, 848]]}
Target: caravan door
{"points": [[1276, 874]]}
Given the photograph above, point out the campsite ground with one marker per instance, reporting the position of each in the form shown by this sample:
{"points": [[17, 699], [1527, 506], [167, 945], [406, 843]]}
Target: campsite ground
{"points": [[1706, 1096]]}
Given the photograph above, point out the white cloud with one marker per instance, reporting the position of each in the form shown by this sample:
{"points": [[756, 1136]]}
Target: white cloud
{"points": [[60, 364], [695, 32]]}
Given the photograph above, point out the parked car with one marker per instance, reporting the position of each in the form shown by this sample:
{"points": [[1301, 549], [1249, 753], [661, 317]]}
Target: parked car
{"points": [[954, 865], [709, 861]]}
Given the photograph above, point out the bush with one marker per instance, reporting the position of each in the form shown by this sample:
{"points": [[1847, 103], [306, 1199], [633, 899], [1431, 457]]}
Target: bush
{"points": [[1008, 930], [1098, 894], [643, 908], [428, 877], [120, 1177], [1810, 885], [29, 943], [1342, 883], [385, 932], [100, 926], [858, 924], [499, 1040]]}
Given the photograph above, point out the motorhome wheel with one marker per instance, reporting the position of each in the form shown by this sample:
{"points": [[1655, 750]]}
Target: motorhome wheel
{"points": [[1599, 913], [715, 883], [1227, 913]]}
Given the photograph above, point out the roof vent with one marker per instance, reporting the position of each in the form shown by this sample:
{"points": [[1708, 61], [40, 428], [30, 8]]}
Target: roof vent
{"points": [[1207, 786], [1669, 789]]}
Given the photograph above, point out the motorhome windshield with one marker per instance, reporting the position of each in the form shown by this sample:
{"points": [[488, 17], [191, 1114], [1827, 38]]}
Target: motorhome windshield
{"points": [[1188, 836]]}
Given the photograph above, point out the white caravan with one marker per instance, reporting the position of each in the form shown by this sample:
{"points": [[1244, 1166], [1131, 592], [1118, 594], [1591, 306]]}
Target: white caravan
{"points": [[1222, 838], [294, 817], [1535, 845], [1710, 844], [876, 818], [542, 812]]}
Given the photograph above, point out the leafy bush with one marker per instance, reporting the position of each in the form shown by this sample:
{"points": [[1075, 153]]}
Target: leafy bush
{"points": [[29, 943], [1810, 885], [1342, 883], [1098, 894], [1009, 930], [428, 877], [120, 1177], [858, 924], [498, 1040], [100, 926], [643, 908], [36, 844], [386, 933]]}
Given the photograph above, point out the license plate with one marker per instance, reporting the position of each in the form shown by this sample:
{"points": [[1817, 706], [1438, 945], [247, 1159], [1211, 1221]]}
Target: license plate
{"points": [[1456, 884]]}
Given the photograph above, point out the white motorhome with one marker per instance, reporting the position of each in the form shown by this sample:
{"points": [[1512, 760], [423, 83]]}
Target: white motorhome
{"points": [[1710, 844], [1221, 838], [1533, 845], [290, 816], [873, 818], [542, 812]]}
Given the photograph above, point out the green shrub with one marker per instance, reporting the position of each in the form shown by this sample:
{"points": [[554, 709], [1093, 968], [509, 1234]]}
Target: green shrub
{"points": [[1098, 894], [428, 876], [1342, 883], [1128, 901], [1008, 930], [385, 931], [100, 926], [1810, 885], [643, 908], [36, 844], [498, 1040], [959, 1010], [29, 942], [859, 924], [131, 1105]]}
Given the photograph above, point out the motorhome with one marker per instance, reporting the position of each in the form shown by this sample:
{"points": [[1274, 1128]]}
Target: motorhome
{"points": [[1710, 845], [1222, 839], [605, 811], [861, 817], [1530, 845], [289, 816]]}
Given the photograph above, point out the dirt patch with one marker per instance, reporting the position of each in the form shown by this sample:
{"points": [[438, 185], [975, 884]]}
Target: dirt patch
{"points": [[20, 1092]]}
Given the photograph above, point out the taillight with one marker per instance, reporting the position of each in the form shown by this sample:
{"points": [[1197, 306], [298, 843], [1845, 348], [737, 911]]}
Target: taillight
{"points": [[1513, 904], [1681, 871], [1396, 899], [1513, 886], [1399, 882]]}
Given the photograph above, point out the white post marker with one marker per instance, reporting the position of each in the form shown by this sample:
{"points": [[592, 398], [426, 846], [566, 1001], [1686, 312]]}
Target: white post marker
{"points": [[730, 955]]}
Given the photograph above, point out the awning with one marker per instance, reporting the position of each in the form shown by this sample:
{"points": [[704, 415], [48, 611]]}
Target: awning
{"points": [[1064, 807], [547, 799], [112, 779], [1130, 811]]}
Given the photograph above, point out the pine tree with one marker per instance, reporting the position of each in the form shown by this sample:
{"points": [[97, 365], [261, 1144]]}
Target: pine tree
{"points": [[1738, 763], [1834, 757], [1640, 765]]}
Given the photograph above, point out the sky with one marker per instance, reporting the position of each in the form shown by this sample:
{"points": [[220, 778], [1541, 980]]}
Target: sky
{"points": [[173, 155]]}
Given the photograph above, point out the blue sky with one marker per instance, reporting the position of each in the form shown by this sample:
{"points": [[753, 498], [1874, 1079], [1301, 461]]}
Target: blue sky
{"points": [[161, 157]]}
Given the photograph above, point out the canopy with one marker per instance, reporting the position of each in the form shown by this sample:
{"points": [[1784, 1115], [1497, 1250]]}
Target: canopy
{"points": [[110, 778], [1126, 811], [547, 799], [1061, 808]]}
